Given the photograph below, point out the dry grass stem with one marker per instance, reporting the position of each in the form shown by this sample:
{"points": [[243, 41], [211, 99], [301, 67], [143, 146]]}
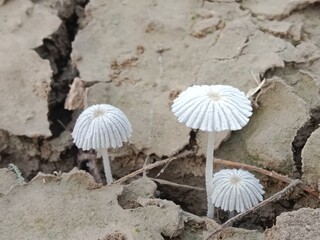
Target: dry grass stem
{"points": [[162, 170], [146, 162], [165, 182], [141, 170], [225, 163], [151, 166]]}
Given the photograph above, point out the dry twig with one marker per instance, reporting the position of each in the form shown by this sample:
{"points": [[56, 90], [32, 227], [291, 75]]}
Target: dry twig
{"points": [[146, 162], [151, 166], [162, 170], [165, 182], [141, 170], [288, 189], [226, 163]]}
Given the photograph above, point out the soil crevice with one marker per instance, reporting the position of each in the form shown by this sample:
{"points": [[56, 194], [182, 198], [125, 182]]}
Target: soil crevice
{"points": [[57, 49], [302, 136]]}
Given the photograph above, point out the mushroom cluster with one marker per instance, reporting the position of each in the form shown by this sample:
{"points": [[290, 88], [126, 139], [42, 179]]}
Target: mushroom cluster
{"points": [[212, 108]]}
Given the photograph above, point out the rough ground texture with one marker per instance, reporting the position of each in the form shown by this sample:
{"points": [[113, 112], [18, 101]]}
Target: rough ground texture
{"points": [[58, 57], [310, 156], [280, 107], [217, 43], [300, 224], [25, 78], [72, 209], [8, 180], [73, 206]]}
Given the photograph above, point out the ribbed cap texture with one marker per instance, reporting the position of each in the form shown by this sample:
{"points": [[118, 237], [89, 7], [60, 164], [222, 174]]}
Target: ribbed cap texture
{"points": [[101, 126], [212, 108], [236, 189]]}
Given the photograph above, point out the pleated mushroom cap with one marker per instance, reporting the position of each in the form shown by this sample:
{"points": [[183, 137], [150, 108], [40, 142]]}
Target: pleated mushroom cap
{"points": [[236, 189], [101, 126], [212, 108]]}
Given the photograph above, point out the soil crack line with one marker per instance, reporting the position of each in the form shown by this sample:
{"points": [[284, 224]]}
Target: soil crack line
{"points": [[57, 49], [303, 135]]}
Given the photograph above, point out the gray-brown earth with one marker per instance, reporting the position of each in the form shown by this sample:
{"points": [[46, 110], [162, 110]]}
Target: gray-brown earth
{"points": [[138, 56]]}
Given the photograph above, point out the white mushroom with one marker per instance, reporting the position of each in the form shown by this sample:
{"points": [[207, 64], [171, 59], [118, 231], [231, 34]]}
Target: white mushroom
{"points": [[236, 189], [212, 108], [100, 127]]}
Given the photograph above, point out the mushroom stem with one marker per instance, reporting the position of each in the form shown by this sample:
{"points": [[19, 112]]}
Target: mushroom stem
{"points": [[106, 165], [209, 174]]}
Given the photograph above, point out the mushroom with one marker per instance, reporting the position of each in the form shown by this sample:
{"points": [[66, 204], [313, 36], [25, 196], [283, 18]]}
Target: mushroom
{"points": [[100, 127], [236, 189], [212, 108]]}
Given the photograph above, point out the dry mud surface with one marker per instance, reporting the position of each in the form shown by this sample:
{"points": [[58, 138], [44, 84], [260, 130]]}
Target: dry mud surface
{"points": [[58, 57]]}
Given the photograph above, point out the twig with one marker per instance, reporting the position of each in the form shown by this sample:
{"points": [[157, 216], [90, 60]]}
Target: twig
{"points": [[154, 165], [141, 170], [162, 170], [144, 174], [62, 125], [227, 163], [240, 49], [273, 198], [272, 174], [245, 44], [165, 182], [258, 81]]}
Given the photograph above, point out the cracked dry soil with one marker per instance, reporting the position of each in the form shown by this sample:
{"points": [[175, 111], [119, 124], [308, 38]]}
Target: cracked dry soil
{"points": [[57, 57]]}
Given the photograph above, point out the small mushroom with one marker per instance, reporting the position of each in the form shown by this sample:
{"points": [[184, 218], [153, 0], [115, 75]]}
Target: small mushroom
{"points": [[236, 189], [100, 127], [212, 108]]}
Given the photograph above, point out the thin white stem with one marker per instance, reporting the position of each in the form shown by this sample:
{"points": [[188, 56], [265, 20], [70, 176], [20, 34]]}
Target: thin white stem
{"points": [[106, 165], [209, 174]]}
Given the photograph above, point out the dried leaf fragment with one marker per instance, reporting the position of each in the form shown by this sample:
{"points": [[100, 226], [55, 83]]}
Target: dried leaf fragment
{"points": [[76, 95]]}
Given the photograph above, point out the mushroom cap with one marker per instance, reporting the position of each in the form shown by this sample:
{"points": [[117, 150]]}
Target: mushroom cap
{"points": [[236, 189], [212, 108], [101, 126]]}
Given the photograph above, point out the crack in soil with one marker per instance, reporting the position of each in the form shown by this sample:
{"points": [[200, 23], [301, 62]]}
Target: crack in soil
{"points": [[57, 49], [305, 131], [288, 10], [303, 135], [32, 155]]}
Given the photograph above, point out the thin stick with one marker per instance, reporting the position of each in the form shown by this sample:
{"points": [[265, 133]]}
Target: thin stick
{"points": [[141, 170], [154, 165], [245, 44], [276, 197], [226, 163], [255, 78], [144, 174], [165, 182], [162, 170], [272, 174]]}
